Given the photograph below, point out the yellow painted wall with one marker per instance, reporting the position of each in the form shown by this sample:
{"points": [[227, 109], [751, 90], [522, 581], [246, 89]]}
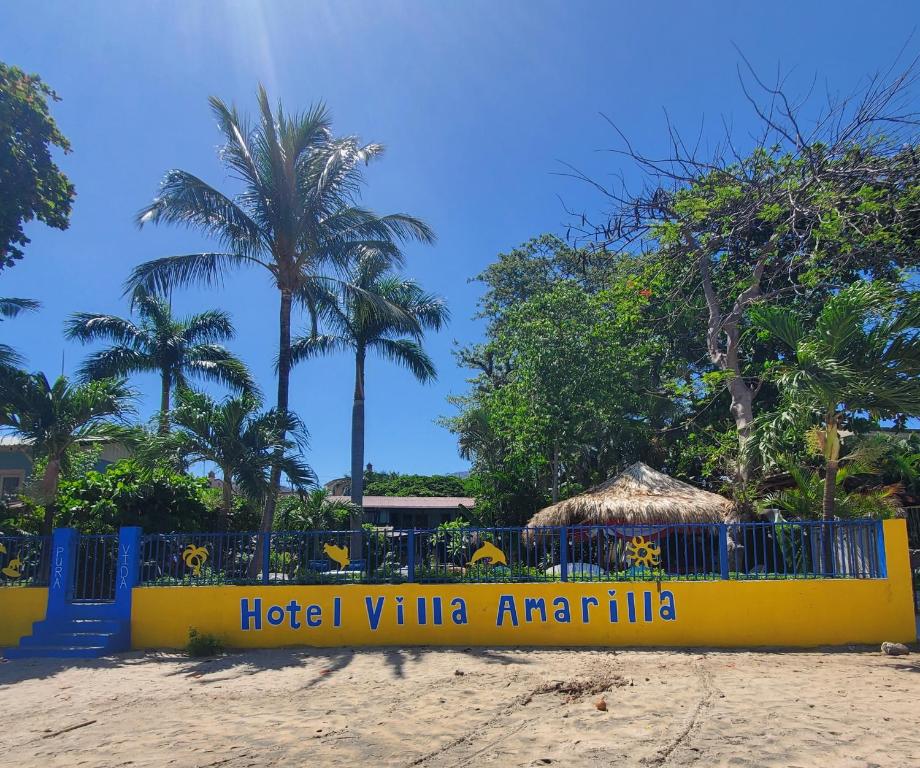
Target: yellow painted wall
{"points": [[719, 613], [19, 607]]}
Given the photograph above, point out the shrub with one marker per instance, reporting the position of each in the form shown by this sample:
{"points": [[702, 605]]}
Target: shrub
{"points": [[203, 644], [127, 493]]}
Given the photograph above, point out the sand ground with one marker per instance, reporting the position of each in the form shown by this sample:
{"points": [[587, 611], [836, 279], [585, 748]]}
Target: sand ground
{"points": [[458, 707]]}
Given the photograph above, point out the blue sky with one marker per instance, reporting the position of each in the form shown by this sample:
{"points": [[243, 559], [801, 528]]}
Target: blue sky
{"points": [[477, 103]]}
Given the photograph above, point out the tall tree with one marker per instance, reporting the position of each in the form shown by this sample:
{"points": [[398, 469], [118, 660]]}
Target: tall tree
{"points": [[9, 357], [31, 185], [241, 440], [297, 217], [53, 418], [862, 354], [175, 348], [816, 204], [387, 315]]}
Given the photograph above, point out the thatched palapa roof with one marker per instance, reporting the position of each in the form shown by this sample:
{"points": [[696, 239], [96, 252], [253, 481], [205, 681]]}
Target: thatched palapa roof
{"points": [[638, 495]]}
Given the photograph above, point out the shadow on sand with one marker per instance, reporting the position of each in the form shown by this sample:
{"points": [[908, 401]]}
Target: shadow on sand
{"points": [[327, 662]]}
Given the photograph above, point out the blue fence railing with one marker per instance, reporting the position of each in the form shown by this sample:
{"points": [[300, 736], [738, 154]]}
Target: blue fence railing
{"points": [[24, 561], [694, 552]]}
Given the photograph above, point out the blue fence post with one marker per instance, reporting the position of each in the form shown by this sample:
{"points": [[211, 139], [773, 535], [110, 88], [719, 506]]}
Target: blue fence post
{"points": [[63, 565], [127, 574], [564, 554], [266, 556], [410, 554], [880, 548], [723, 550]]}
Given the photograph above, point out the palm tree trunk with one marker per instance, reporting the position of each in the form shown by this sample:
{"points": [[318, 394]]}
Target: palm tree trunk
{"points": [[832, 463], [227, 506], [284, 376], [49, 488], [555, 471], [284, 381], [165, 387], [357, 454]]}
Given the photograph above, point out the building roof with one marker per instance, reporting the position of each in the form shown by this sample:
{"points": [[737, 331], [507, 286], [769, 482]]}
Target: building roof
{"points": [[413, 502], [13, 441]]}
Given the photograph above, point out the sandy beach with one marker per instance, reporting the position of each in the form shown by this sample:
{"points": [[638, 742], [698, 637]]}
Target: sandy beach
{"points": [[458, 707]]}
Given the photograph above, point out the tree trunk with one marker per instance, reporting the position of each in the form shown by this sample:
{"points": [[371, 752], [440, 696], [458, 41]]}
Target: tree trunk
{"points": [[832, 463], [357, 456], [742, 410], [49, 488], [284, 375], [831, 459], [723, 341], [227, 506], [555, 471], [165, 387]]}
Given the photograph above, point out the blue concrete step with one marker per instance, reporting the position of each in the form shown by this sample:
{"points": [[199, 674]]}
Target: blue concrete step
{"points": [[55, 652], [67, 637], [86, 639]]}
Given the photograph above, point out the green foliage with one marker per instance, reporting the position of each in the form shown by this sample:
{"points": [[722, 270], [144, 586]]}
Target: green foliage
{"points": [[396, 484], [575, 379], [455, 536], [31, 184], [312, 511], [157, 499], [201, 644], [245, 513], [243, 441], [803, 501]]}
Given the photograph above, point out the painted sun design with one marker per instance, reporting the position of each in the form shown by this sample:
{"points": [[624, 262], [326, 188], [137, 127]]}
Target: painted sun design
{"points": [[195, 557], [643, 552]]}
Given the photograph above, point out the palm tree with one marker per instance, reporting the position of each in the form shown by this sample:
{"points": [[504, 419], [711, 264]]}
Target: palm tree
{"points": [[9, 357], [315, 511], [53, 418], [241, 440], [388, 315], [297, 217], [175, 348], [862, 354]]}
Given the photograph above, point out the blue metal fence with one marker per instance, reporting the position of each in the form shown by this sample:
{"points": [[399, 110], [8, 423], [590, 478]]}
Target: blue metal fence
{"points": [[24, 561], [96, 564], [667, 552]]}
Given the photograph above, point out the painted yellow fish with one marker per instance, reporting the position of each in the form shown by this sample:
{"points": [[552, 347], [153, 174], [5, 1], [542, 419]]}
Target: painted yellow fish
{"points": [[12, 568], [2, 548], [488, 551], [337, 554]]}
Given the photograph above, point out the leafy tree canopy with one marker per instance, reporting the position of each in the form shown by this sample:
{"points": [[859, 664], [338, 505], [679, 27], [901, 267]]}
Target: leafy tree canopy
{"points": [[395, 484], [31, 184]]}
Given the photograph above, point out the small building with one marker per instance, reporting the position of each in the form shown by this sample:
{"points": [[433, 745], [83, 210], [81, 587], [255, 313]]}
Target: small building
{"points": [[419, 512], [16, 461]]}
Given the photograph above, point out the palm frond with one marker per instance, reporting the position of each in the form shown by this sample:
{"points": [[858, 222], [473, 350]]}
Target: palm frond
{"points": [[118, 361], [319, 345], [407, 353], [208, 327], [86, 326], [187, 200], [215, 363], [204, 269], [11, 307]]}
